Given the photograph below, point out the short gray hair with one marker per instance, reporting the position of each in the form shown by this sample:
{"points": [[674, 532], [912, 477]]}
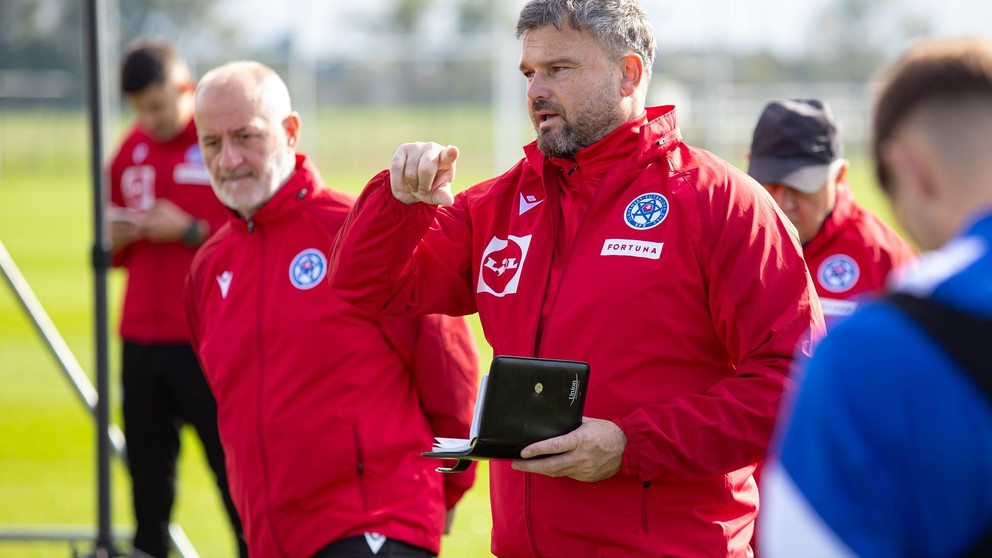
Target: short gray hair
{"points": [[621, 26]]}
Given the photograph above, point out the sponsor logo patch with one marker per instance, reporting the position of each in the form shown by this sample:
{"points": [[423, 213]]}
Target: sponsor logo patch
{"points": [[501, 265], [838, 273], [634, 248], [835, 307], [528, 202], [375, 541], [224, 282], [646, 211], [307, 269]]}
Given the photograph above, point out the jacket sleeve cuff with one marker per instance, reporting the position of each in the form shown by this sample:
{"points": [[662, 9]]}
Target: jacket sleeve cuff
{"points": [[456, 485], [637, 455], [626, 468], [383, 197]]}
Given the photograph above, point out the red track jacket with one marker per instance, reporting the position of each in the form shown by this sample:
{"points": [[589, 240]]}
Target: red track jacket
{"points": [[142, 171], [851, 255], [678, 282], [323, 409]]}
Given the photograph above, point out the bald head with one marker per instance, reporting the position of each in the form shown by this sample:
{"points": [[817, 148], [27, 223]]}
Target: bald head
{"points": [[248, 133], [249, 81]]}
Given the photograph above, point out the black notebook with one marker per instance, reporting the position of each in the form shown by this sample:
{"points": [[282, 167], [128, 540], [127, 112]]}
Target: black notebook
{"points": [[521, 401]]}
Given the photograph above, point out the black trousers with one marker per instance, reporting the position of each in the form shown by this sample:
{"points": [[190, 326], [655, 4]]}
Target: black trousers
{"points": [[361, 546], [164, 388]]}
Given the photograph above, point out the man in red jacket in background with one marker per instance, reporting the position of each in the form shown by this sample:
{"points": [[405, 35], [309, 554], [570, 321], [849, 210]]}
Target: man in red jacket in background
{"points": [[323, 408], [163, 209], [611, 242], [797, 154]]}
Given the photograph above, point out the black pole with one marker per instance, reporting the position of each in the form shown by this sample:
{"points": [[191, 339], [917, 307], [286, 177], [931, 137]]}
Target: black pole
{"points": [[93, 16]]}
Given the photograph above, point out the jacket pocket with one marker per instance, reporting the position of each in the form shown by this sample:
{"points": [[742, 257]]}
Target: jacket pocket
{"points": [[316, 466], [360, 468], [645, 494]]}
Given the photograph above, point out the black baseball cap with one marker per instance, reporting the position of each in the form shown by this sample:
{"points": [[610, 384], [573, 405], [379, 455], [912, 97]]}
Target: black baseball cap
{"points": [[794, 143]]}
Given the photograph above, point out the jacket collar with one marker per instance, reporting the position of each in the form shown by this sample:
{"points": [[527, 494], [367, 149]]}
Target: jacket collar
{"points": [[288, 200], [650, 135], [185, 136]]}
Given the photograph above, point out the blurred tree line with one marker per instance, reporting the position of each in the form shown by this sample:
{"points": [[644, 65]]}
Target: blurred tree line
{"points": [[849, 41], [41, 41]]}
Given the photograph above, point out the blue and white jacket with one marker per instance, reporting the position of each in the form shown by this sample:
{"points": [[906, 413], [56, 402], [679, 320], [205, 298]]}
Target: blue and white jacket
{"points": [[887, 450]]}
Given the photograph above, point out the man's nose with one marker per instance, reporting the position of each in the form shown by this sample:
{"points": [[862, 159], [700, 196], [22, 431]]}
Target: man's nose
{"points": [[230, 156], [538, 88]]}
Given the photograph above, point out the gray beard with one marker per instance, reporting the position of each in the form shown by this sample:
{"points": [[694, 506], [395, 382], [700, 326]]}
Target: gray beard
{"points": [[567, 142], [564, 144]]}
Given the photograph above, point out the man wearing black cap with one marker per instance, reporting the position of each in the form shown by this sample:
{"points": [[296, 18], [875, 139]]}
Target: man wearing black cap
{"points": [[797, 155]]}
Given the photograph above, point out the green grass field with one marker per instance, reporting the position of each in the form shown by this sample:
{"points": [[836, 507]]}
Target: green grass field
{"points": [[47, 446]]}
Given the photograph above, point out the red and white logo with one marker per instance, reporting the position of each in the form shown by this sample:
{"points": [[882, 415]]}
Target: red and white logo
{"points": [[501, 265], [138, 187]]}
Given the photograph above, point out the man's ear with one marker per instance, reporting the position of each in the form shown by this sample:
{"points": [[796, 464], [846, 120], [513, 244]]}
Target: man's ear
{"points": [[292, 125], [632, 74], [841, 177], [908, 169], [187, 87]]}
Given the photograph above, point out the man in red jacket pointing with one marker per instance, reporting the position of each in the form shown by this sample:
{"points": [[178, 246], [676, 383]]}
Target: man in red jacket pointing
{"points": [[612, 242], [323, 409]]}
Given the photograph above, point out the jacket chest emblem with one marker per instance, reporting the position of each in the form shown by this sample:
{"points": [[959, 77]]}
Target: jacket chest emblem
{"points": [[646, 211], [501, 265], [308, 269], [838, 273]]}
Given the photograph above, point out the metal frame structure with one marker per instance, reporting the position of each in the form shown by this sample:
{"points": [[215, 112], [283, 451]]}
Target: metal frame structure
{"points": [[109, 438], [89, 397]]}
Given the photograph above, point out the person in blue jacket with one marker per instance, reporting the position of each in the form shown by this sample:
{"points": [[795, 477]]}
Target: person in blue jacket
{"points": [[887, 449]]}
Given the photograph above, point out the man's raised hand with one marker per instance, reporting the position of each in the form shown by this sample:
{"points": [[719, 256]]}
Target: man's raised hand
{"points": [[423, 172]]}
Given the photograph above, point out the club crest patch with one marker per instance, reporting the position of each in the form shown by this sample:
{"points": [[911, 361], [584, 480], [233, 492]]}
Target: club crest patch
{"points": [[139, 153], [501, 265], [308, 269], [193, 155], [646, 211], [191, 170], [838, 273]]}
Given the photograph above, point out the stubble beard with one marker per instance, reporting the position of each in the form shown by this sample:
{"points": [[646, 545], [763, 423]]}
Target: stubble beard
{"points": [[593, 121]]}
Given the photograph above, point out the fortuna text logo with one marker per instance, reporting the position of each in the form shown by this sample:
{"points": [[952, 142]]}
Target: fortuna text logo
{"points": [[635, 248], [224, 280], [528, 202], [501, 265]]}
